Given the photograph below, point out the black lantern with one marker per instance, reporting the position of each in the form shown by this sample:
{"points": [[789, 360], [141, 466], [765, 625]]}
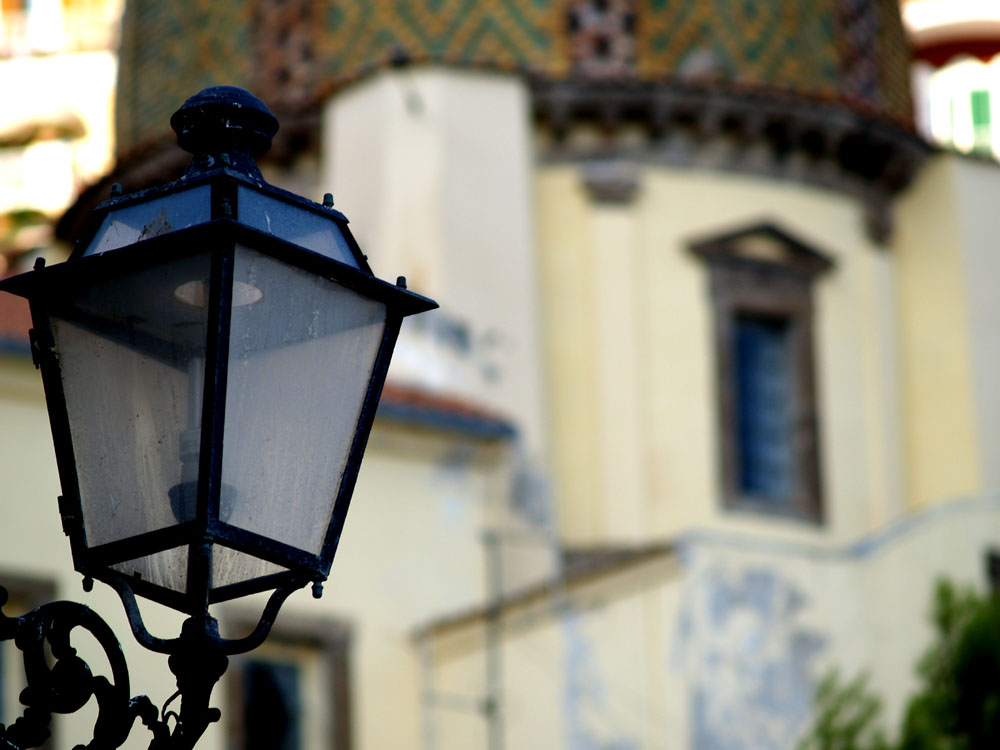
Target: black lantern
{"points": [[212, 354], [212, 357]]}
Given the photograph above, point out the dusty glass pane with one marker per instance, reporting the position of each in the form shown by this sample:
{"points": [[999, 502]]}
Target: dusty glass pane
{"points": [[300, 360], [230, 566], [294, 224], [167, 568], [131, 359], [140, 222]]}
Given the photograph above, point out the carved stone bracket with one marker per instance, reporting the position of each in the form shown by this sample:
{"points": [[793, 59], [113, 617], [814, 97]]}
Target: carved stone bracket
{"points": [[611, 181], [706, 123]]}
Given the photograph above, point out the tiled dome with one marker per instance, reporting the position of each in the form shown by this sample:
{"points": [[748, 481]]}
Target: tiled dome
{"points": [[851, 54]]}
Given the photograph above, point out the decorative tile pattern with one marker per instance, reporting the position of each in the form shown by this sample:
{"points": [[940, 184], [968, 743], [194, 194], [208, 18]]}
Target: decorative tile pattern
{"points": [[506, 34], [858, 21], [893, 49], [293, 52], [788, 43], [286, 39], [602, 38], [170, 51]]}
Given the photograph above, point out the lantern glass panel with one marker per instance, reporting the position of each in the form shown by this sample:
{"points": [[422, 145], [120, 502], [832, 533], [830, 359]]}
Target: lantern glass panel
{"points": [[131, 355], [230, 566], [300, 360], [315, 232], [130, 224], [167, 568]]}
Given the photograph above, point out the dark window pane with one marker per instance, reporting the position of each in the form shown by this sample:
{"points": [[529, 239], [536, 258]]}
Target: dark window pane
{"points": [[272, 715], [764, 408]]}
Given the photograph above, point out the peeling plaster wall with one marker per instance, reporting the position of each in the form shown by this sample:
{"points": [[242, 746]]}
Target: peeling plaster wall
{"points": [[720, 646], [760, 621], [748, 658]]}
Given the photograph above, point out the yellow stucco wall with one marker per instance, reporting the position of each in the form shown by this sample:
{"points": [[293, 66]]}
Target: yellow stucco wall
{"points": [[630, 352], [936, 384]]}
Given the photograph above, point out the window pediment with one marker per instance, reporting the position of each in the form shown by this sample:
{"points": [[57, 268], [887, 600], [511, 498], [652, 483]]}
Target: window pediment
{"points": [[763, 244], [761, 280]]}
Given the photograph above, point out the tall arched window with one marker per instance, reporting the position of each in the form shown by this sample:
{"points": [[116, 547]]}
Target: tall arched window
{"points": [[761, 282]]}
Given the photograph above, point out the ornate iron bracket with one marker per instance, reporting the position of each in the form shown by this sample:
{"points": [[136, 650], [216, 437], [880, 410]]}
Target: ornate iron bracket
{"points": [[64, 683]]}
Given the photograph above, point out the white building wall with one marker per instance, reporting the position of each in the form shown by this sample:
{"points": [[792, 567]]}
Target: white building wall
{"points": [[977, 183], [434, 168]]}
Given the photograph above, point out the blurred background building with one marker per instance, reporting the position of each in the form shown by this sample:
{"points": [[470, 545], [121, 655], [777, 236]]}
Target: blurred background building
{"points": [[711, 400], [955, 75]]}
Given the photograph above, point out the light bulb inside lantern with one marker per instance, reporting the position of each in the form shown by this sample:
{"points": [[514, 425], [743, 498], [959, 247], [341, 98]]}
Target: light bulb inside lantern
{"points": [[195, 293]]}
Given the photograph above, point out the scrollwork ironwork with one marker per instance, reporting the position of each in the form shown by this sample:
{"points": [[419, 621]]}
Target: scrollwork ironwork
{"points": [[64, 684], [59, 681]]}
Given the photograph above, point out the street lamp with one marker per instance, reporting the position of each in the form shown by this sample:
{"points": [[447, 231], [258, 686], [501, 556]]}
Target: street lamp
{"points": [[212, 356]]}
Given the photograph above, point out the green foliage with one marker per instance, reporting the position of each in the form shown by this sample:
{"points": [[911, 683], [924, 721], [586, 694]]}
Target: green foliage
{"points": [[958, 704], [958, 707], [846, 717]]}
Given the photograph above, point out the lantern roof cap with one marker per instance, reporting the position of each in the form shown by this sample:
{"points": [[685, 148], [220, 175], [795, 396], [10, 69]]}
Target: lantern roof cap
{"points": [[224, 124]]}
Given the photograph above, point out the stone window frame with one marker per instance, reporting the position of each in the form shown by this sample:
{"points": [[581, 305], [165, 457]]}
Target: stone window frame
{"points": [[329, 638], [779, 285]]}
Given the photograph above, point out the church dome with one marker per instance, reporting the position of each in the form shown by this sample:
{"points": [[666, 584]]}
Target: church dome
{"points": [[847, 55]]}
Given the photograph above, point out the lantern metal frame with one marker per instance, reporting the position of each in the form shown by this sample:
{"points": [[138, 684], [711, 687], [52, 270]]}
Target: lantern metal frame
{"points": [[225, 128], [222, 235]]}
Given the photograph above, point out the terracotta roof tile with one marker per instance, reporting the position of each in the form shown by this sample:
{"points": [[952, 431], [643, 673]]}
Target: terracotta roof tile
{"points": [[407, 404]]}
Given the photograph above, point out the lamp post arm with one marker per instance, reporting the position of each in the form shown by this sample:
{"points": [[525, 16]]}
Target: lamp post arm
{"points": [[227, 646], [198, 659], [146, 639], [264, 625]]}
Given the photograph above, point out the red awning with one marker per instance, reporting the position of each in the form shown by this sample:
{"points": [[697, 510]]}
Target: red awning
{"points": [[941, 53]]}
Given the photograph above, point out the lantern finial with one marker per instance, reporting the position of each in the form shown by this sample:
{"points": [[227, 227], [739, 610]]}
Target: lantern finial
{"points": [[224, 126]]}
